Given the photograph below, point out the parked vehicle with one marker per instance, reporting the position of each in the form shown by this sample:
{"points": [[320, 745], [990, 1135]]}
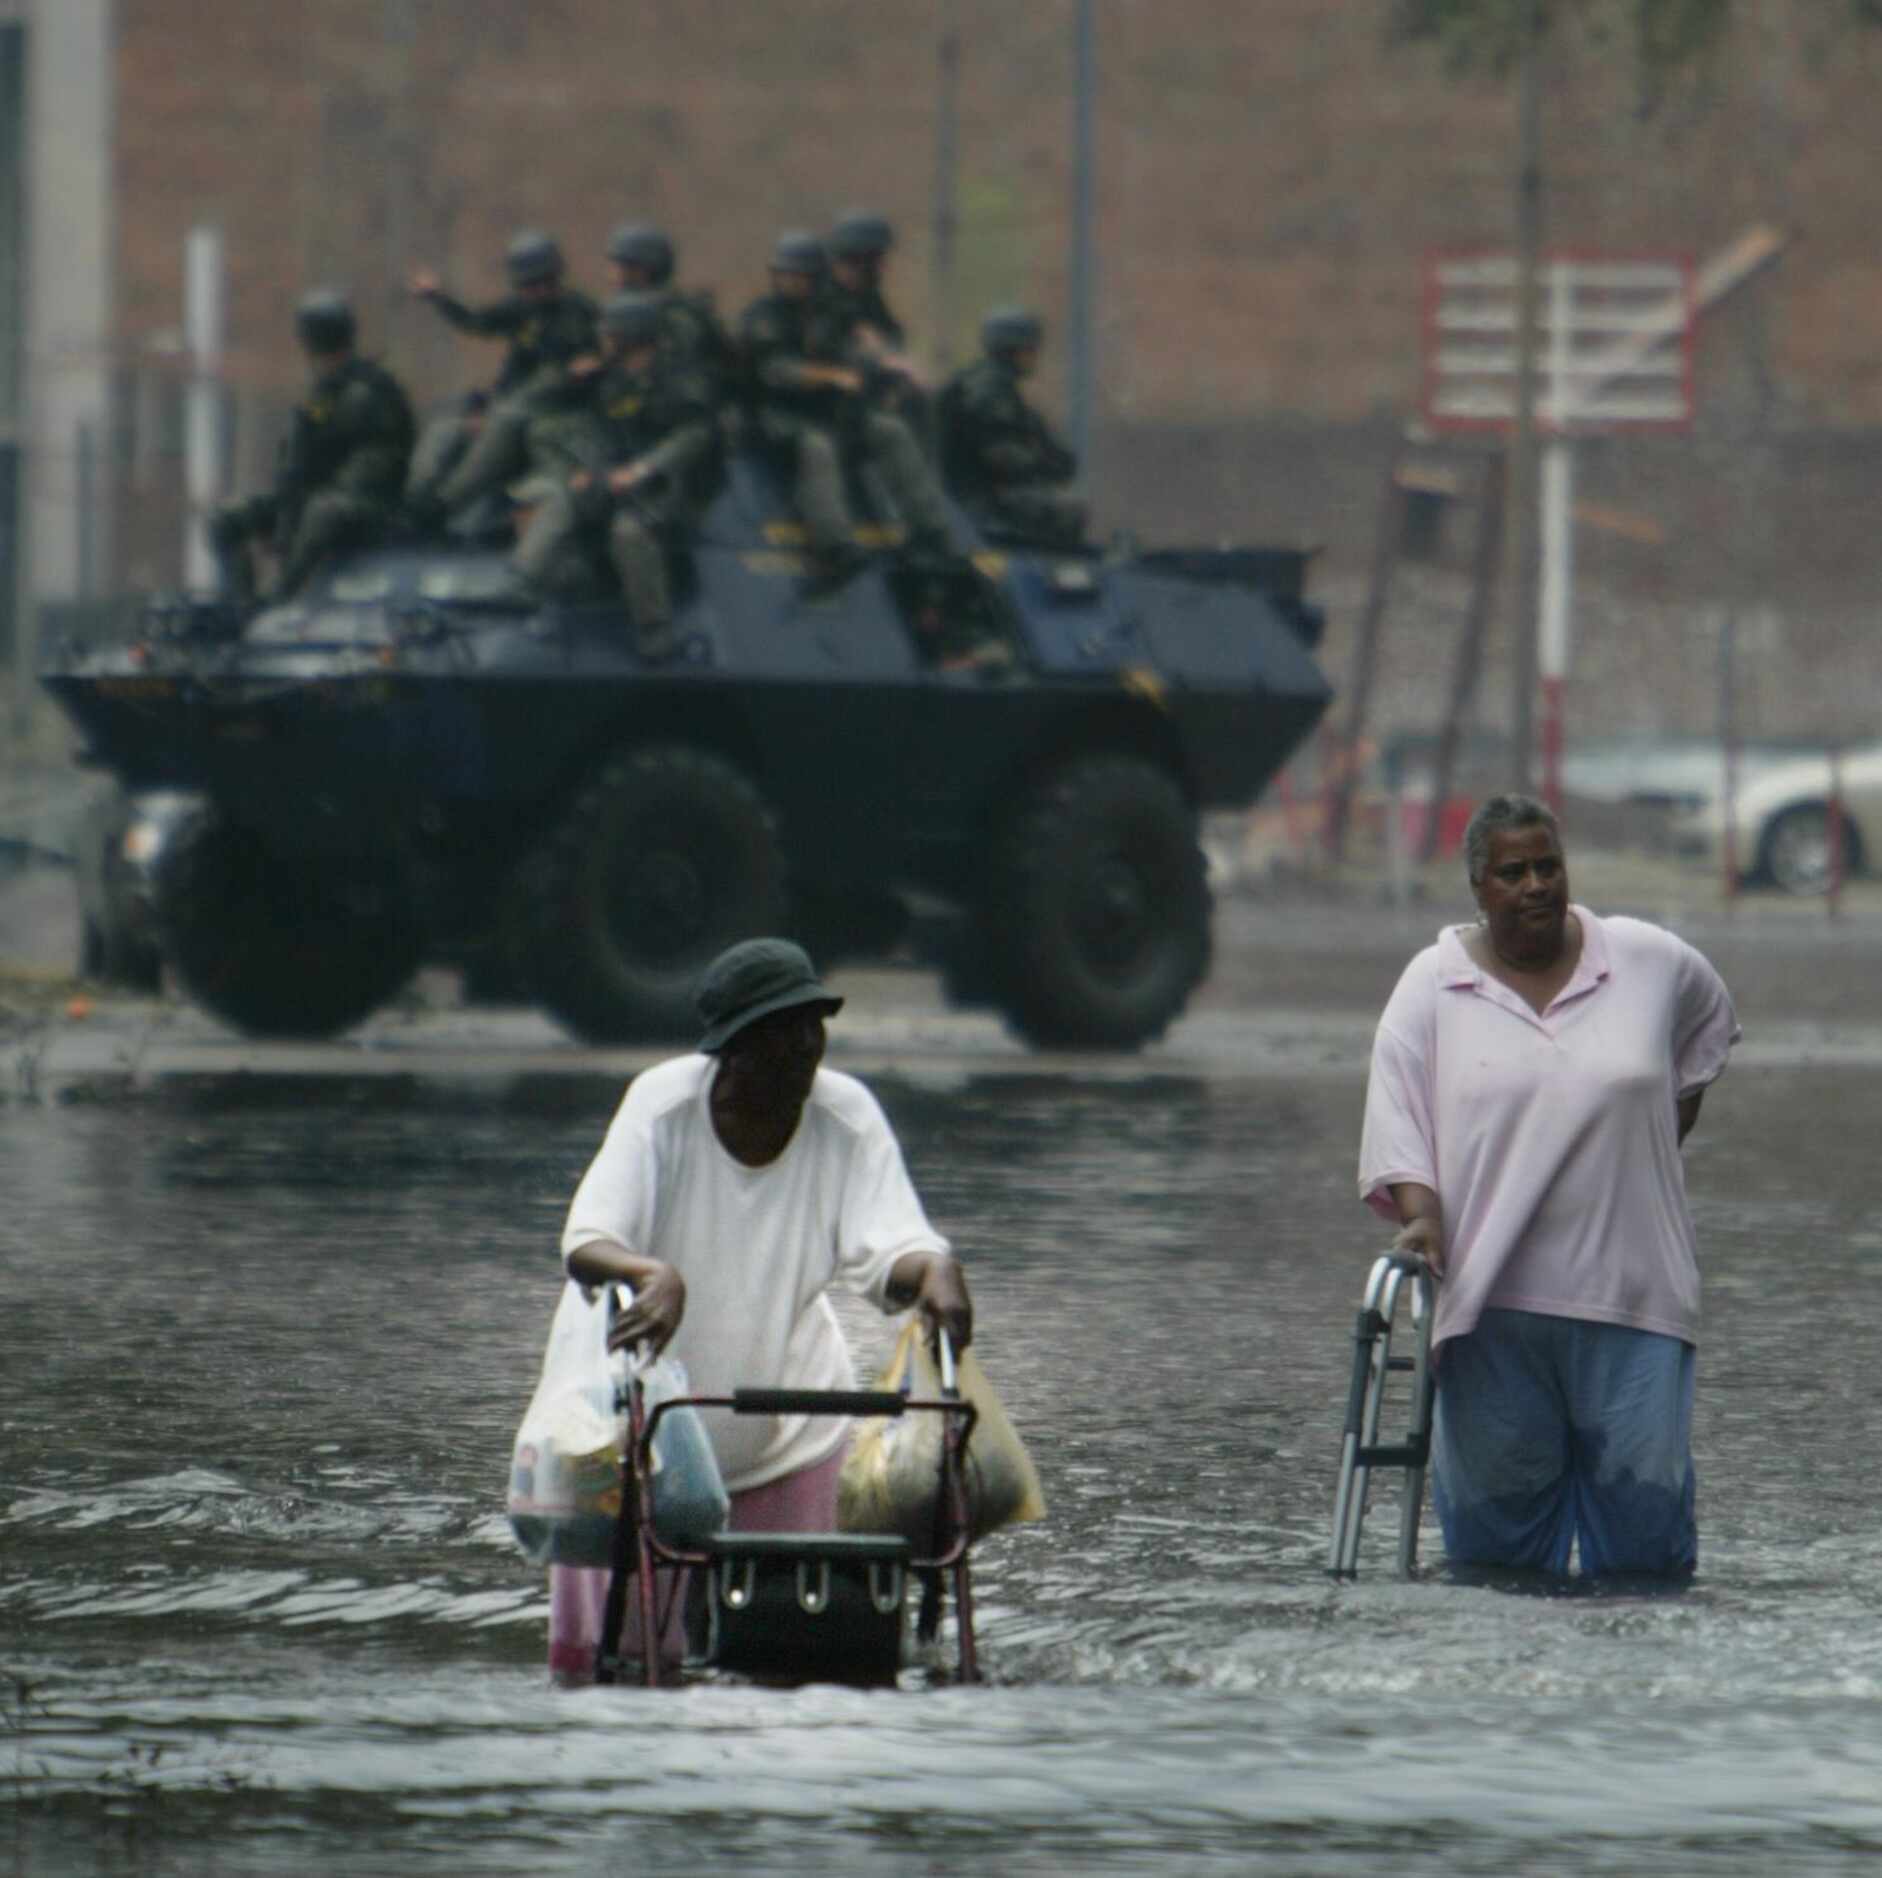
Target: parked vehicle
{"points": [[1782, 829], [1679, 775]]}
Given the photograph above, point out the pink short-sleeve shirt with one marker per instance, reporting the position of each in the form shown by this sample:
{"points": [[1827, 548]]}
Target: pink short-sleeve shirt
{"points": [[1551, 1141]]}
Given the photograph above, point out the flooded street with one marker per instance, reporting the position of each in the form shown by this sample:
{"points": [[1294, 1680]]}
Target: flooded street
{"points": [[270, 1323]]}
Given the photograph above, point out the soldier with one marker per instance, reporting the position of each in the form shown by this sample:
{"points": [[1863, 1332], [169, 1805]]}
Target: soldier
{"points": [[641, 258], [859, 251], [859, 248], [1000, 458], [660, 460], [810, 389], [537, 404], [342, 467]]}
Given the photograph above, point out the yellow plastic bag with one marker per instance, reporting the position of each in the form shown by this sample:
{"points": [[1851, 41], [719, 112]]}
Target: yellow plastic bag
{"points": [[891, 1478]]}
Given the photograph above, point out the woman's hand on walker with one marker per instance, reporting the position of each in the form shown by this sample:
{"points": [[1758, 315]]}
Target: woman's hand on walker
{"points": [[1424, 1237], [937, 1286], [655, 1314]]}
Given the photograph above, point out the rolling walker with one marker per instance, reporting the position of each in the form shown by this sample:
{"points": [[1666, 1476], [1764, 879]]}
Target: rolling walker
{"points": [[795, 1606]]}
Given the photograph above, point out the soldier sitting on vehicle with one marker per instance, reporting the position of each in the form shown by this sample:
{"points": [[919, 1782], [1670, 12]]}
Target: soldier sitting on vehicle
{"points": [[859, 248], [810, 389], [641, 258], [1001, 459], [536, 407], [342, 467], [659, 456]]}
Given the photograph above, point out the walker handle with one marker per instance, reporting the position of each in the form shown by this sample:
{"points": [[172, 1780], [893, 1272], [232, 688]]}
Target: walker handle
{"points": [[818, 1402], [944, 1347]]}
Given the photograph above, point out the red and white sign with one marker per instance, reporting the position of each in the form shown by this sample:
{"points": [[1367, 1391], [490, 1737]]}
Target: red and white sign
{"points": [[1613, 343]]}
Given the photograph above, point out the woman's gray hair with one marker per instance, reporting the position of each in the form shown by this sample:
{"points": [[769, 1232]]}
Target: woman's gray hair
{"points": [[1493, 816]]}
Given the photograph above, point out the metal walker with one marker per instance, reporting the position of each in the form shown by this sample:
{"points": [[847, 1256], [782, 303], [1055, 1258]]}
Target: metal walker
{"points": [[1394, 1275]]}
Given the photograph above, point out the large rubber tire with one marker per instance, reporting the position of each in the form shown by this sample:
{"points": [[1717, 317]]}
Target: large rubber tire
{"points": [[281, 945], [669, 856], [1098, 924], [1794, 851]]}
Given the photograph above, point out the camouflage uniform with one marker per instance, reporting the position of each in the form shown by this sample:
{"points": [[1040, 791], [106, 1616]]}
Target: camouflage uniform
{"points": [[662, 419], [341, 473], [693, 336], [865, 306], [805, 423], [862, 310], [1002, 461], [537, 418]]}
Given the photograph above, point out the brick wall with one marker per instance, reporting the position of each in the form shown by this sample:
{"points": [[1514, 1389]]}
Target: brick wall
{"points": [[1269, 175], [1270, 178]]}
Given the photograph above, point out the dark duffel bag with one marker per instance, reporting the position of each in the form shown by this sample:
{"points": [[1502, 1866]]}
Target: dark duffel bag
{"points": [[809, 1606]]}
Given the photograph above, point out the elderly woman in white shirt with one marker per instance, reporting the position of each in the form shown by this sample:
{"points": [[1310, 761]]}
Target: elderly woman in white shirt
{"points": [[1533, 1077], [737, 1187]]}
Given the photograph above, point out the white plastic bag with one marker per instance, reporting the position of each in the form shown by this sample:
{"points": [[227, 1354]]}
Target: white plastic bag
{"points": [[565, 1468]]}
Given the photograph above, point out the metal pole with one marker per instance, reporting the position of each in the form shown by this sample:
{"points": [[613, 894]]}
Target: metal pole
{"points": [[1078, 399], [23, 338], [400, 32], [1523, 460], [202, 436], [1492, 505], [1558, 577], [1833, 894], [1340, 782], [25, 615], [1555, 601], [1728, 743], [946, 186], [85, 452]]}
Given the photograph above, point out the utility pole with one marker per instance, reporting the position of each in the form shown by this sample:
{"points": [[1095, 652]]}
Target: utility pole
{"points": [[1523, 478], [1079, 370], [205, 297], [399, 27], [946, 186]]}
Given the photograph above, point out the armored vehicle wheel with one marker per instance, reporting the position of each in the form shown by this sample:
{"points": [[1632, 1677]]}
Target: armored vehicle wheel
{"points": [[282, 945], [667, 858], [1098, 928]]}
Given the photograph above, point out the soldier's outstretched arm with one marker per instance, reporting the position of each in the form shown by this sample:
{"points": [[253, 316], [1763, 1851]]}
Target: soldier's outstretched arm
{"points": [[497, 319]]}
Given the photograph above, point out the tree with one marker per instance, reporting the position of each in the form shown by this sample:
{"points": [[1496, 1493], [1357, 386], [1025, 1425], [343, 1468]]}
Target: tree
{"points": [[1666, 34]]}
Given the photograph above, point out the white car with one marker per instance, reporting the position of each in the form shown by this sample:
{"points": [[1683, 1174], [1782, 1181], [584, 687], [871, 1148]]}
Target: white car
{"points": [[1781, 830]]}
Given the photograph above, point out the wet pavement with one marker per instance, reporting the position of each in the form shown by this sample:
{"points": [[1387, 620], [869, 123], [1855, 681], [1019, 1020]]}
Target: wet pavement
{"points": [[271, 1315]]}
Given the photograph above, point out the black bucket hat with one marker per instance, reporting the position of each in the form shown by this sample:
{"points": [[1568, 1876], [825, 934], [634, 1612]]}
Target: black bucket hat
{"points": [[751, 980]]}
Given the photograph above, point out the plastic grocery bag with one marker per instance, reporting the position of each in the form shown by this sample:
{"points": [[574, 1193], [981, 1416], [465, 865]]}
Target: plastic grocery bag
{"points": [[891, 1478], [565, 1468]]}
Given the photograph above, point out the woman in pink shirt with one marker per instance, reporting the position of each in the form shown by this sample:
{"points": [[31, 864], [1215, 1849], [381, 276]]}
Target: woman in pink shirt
{"points": [[1532, 1079]]}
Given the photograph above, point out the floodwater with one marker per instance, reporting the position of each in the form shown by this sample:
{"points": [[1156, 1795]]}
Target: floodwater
{"points": [[265, 1341]]}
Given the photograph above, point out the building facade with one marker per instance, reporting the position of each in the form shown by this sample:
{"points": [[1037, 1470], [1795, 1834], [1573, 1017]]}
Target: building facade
{"points": [[58, 76]]}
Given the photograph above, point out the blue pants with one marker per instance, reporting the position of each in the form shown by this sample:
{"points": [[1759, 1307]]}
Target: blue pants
{"points": [[1551, 1430]]}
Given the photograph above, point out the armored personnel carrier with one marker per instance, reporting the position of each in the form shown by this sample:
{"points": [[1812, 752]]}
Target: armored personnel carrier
{"points": [[408, 762]]}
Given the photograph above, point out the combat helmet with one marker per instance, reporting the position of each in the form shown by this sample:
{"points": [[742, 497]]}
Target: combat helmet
{"points": [[797, 251], [642, 245], [632, 319], [860, 236], [1011, 329], [323, 321], [532, 257]]}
